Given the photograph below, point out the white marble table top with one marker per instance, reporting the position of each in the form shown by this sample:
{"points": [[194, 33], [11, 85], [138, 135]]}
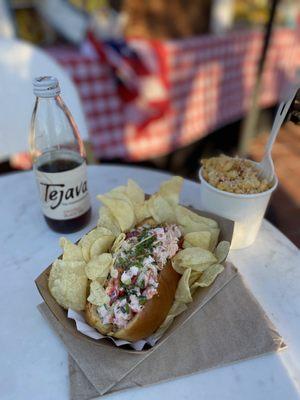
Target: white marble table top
{"points": [[33, 361]]}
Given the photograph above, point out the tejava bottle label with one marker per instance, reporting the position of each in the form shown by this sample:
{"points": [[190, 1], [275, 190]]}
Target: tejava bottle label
{"points": [[64, 195]]}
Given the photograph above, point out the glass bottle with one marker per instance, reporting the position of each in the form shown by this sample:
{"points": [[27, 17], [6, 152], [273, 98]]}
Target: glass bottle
{"points": [[58, 157]]}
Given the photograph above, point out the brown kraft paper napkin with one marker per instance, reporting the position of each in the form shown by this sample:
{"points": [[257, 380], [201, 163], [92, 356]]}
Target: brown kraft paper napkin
{"points": [[230, 327]]}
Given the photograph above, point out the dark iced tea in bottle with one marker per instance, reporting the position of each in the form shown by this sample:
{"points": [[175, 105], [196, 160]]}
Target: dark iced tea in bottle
{"points": [[59, 160]]}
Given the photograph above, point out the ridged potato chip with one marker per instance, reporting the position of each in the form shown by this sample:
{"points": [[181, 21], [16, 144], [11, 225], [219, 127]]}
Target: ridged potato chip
{"points": [[135, 193], [193, 257], [161, 211], [101, 245], [98, 295], [68, 284], [137, 198], [118, 189], [197, 239], [121, 209], [177, 308], [190, 222], [183, 294], [214, 238], [188, 218], [117, 243], [119, 193], [99, 267], [170, 190], [222, 251], [131, 193], [90, 238], [71, 251], [142, 212], [195, 275], [208, 276], [107, 220]]}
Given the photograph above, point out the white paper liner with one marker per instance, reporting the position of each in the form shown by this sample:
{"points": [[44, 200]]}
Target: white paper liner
{"points": [[91, 332]]}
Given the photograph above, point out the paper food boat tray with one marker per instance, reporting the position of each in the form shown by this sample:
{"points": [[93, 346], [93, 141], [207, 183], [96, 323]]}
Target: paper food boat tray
{"points": [[226, 230]]}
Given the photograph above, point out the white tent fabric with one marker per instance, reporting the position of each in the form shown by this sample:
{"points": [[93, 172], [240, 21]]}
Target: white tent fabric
{"points": [[65, 18], [7, 28], [19, 64]]}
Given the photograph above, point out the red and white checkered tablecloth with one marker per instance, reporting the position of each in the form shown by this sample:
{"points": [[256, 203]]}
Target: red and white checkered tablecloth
{"points": [[210, 83]]}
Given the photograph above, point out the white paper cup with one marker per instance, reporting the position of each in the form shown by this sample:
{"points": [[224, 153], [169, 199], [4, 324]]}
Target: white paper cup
{"points": [[246, 210]]}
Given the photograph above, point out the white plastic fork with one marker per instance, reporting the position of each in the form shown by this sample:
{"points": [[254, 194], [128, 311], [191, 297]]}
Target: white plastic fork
{"points": [[266, 165]]}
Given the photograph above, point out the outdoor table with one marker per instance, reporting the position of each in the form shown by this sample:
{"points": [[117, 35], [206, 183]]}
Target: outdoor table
{"points": [[33, 360]]}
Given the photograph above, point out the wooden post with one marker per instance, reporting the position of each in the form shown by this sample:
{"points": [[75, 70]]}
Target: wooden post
{"points": [[250, 122]]}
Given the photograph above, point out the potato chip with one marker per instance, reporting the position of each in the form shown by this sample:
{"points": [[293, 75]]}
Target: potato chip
{"points": [[222, 251], [118, 189], [187, 217], [197, 239], [68, 284], [117, 243], [119, 194], [107, 220], [183, 294], [190, 222], [135, 193], [201, 267], [208, 276], [177, 308], [71, 251], [160, 209], [195, 275], [121, 209], [214, 238], [101, 245], [212, 233], [99, 267], [188, 226], [98, 296], [193, 257], [137, 198], [87, 241], [193, 289], [142, 212], [170, 190]]}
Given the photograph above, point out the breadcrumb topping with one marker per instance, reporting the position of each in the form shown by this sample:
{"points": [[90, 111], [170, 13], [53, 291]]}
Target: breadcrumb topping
{"points": [[234, 175]]}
